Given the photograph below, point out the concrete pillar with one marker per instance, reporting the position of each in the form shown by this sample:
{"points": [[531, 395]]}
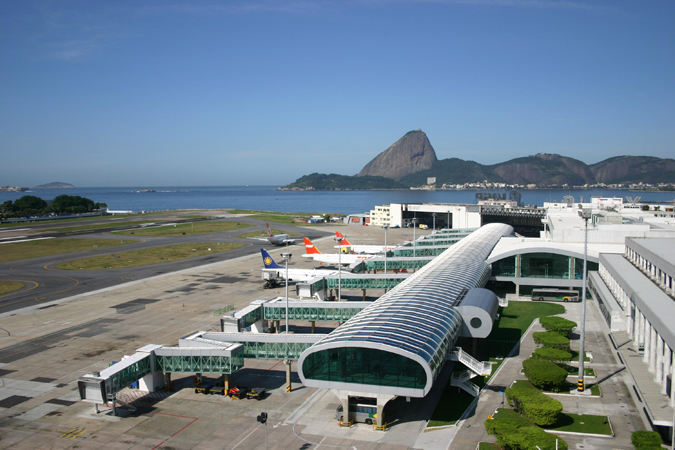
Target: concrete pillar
{"points": [[380, 414], [289, 386], [167, 380], [278, 326], [226, 382], [345, 409], [647, 342], [652, 350], [658, 376], [667, 365], [636, 329], [517, 290], [313, 322], [671, 370]]}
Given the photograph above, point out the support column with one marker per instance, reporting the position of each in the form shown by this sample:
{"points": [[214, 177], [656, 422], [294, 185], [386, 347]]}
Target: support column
{"points": [[647, 342], [658, 376], [667, 364], [364, 294], [226, 382], [671, 370], [382, 400], [289, 386], [636, 329], [652, 350], [517, 290], [313, 322]]}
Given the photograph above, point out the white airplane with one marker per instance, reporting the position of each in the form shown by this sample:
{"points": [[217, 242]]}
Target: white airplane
{"points": [[345, 245], [276, 239], [274, 271], [331, 258]]}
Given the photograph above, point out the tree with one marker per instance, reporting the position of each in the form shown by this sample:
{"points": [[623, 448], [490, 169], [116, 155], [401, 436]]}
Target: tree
{"points": [[71, 204], [30, 203]]}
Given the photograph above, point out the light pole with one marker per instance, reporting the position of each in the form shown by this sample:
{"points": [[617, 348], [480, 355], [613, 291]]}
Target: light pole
{"points": [[414, 221], [585, 214], [434, 231], [385, 248], [339, 241], [448, 224], [287, 257]]}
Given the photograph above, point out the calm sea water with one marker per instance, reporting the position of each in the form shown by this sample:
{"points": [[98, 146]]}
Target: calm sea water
{"points": [[267, 198]]}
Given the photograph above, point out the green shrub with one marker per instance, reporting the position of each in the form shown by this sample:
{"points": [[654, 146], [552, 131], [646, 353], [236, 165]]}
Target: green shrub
{"points": [[552, 339], [643, 440], [552, 354], [505, 422], [532, 438], [558, 325], [515, 432], [544, 374], [538, 407]]}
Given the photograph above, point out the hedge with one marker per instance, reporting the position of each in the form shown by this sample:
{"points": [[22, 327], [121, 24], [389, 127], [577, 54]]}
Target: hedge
{"points": [[538, 407], [515, 432], [544, 374], [558, 325], [552, 354], [644, 440], [552, 339]]}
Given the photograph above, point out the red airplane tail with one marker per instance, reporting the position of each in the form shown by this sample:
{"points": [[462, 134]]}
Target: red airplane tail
{"points": [[309, 247], [344, 239], [269, 232]]}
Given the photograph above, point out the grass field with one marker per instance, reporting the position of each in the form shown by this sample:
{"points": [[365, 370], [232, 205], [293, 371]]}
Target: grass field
{"points": [[187, 229], [10, 286], [99, 225], [49, 247], [148, 256], [268, 216], [514, 321], [263, 233], [582, 423]]}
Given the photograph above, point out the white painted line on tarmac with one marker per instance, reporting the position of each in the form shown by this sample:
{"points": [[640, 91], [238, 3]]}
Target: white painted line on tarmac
{"points": [[14, 229], [26, 240], [12, 237]]}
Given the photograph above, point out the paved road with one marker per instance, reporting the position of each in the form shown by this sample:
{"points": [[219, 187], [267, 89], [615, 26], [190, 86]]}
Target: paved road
{"points": [[44, 283]]}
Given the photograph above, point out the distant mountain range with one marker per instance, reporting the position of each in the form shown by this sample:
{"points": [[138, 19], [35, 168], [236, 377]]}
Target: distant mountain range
{"points": [[412, 159]]}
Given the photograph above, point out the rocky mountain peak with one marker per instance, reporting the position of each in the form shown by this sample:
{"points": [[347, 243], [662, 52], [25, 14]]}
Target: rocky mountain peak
{"points": [[410, 154]]}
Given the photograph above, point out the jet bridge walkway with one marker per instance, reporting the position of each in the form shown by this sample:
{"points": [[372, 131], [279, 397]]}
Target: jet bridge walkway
{"points": [[425, 250]]}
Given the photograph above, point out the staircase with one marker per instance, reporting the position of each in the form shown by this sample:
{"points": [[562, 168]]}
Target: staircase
{"points": [[474, 368]]}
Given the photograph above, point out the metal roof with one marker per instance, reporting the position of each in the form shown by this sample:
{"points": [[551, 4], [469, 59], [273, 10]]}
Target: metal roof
{"points": [[416, 319]]}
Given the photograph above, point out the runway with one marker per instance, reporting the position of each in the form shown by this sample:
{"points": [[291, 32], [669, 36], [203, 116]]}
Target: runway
{"points": [[44, 283]]}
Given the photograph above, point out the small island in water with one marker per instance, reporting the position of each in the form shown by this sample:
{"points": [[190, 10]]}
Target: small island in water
{"points": [[55, 185]]}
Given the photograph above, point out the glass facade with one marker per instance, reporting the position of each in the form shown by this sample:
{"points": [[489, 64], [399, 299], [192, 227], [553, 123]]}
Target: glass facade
{"points": [[504, 267], [541, 265], [364, 366]]}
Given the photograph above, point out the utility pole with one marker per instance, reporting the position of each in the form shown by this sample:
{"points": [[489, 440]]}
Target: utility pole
{"points": [[584, 214]]}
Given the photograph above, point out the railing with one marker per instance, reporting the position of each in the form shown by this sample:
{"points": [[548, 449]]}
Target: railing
{"points": [[377, 427], [220, 311]]}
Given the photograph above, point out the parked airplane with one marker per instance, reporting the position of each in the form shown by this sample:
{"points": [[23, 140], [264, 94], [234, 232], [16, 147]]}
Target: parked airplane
{"points": [[345, 245], [276, 239], [274, 271], [331, 258]]}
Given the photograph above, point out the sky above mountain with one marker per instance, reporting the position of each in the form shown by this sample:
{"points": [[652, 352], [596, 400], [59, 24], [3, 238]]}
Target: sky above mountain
{"points": [[127, 93]]}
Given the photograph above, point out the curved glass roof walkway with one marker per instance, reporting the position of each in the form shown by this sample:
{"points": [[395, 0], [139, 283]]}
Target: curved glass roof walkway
{"points": [[398, 344]]}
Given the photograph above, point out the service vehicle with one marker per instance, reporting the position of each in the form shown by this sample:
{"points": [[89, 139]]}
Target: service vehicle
{"points": [[553, 295]]}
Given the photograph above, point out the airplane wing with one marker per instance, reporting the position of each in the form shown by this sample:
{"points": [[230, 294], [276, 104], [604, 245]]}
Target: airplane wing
{"points": [[260, 238]]}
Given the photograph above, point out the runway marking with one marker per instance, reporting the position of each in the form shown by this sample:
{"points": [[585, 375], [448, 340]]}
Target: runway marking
{"points": [[19, 229], [72, 434], [36, 284], [12, 237], [26, 240]]}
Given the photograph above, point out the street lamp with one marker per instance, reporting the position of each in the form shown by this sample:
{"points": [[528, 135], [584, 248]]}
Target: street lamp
{"points": [[385, 248], [287, 257], [414, 221], [434, 231], [584, 214], [339, 241]]}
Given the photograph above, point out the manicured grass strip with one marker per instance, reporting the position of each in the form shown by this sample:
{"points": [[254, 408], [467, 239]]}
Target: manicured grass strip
{"points": [[187, 229], [582, 423], [268, 216], [589, 372], [10, 286], [49, 247], [450, 407], [255, 234], [148, 256], [566, 389], [488, 446]]}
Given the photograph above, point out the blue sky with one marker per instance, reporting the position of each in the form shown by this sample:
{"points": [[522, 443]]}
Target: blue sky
{"points": [[128, 93]]}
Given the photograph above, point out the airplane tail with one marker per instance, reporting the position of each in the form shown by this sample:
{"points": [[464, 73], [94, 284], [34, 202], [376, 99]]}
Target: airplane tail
{"points": [[268, 261], [345, 241], [309, 247], [269, 232]]}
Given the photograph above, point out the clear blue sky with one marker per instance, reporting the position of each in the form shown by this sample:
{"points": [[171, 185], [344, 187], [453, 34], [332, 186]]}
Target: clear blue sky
{"points": [[128, 93]]}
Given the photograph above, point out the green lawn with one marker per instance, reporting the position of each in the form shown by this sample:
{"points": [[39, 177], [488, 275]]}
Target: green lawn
{"points": [[582, 424], [589, 372], [10, 286], [488, 446], [567, 387], [148, 256], [49, 247], [254, 234], [187, 229], [513, 322]]}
